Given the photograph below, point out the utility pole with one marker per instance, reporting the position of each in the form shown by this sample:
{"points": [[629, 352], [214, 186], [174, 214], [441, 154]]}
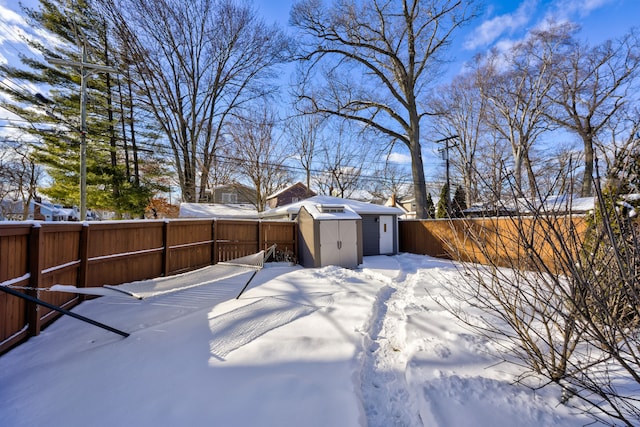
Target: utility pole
{"points": [[85, 70], [445, 155]]}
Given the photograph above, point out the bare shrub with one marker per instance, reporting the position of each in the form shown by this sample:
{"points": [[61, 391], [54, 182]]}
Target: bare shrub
{"points": [[559, 293]]}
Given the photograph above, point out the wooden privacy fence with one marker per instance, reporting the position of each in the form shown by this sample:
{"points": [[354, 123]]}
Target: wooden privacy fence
{"points": [[36, 256], [502, 240]]}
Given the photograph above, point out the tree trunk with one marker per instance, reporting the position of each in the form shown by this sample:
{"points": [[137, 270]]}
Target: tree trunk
{"points": [[419, 188], [587, 179]]}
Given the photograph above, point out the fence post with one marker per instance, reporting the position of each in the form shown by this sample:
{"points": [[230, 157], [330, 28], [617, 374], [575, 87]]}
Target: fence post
{"points": [[165, 248], [214, 237], [83, 269], [35, 278]]}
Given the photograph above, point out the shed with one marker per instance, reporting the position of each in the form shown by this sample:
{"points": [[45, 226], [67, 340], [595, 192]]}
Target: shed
{"points": [[329, 235], [379, 223]]}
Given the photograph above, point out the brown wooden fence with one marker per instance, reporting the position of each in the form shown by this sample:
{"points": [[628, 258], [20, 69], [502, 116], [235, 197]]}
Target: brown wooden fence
{"points": [[39, 255], [499, 240]]}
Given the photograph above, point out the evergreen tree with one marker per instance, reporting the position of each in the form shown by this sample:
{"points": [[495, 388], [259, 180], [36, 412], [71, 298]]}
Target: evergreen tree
{"points": [[431, 208], [459, 203], [442, 210], [52, 121]]}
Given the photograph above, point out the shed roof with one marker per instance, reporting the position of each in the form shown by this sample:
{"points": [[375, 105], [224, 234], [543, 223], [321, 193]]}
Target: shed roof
{"points": [[361, 208], [325, 212]]}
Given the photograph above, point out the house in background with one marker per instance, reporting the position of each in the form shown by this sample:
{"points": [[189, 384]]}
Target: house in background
{"points": [[224, 201], [41, 210], [230, 194], [292, 194]]}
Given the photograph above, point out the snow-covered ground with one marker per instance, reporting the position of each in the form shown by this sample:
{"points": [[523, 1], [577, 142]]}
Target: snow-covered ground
{"points": [[301, 347]]}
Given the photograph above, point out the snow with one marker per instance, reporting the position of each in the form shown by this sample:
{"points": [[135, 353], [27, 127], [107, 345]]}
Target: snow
{"points": [[362, 208], [217, 210], [301, 347], [331, 212]]}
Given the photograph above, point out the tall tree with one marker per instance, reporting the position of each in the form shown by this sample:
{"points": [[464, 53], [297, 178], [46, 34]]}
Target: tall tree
{"points": [[459, 109], [196, 63], [431, 208], [442, 210], [459, 203], [260, 158], [52, 119], [19, 177], [592, 86], [377, 58], [342, 162], [305, 132], [516, 84]]}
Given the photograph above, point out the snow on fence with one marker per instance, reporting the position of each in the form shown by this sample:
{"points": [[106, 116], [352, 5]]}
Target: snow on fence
{"points": [[36, 256]]}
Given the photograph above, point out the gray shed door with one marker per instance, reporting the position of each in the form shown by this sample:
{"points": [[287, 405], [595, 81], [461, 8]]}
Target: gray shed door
{"points": [[339, 243]]}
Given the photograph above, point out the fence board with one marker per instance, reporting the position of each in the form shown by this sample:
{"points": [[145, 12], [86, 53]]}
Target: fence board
{"points": [[14, 263], [121, 252], [59, 264], [236, 239], [189, 245]]}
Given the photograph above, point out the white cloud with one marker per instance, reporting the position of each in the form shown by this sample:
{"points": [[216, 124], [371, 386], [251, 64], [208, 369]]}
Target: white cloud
{"points": [[566, 10], [399, 158], [492, 29]]}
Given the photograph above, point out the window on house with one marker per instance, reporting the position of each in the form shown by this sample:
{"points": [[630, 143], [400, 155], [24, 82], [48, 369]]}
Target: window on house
{"points": [[229, 198]]}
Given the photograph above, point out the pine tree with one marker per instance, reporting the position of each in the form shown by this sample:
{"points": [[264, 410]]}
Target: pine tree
{"points": [[52, 121], [459, 203], [442, 210]]}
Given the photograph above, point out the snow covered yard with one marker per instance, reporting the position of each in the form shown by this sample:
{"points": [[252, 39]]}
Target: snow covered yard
{"points": [[302, 347]]}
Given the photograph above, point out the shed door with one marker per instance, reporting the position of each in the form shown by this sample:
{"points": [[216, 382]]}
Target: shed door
{"points": [[386, 234], [329, 242], [339, 243], [348, 244]]}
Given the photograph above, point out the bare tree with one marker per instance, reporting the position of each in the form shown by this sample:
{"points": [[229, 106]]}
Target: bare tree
{"points": [[561, 159], [19, 175], [377, 57], [305, 133], [516, 84], [592, 85], [224, 165], [260, 157], [196, 63], [459, 109], [391, 179], [491, 157], [342, 163]]}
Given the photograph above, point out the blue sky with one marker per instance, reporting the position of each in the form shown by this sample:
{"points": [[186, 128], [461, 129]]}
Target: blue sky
{"points": [[506, 21], [502, 22]]}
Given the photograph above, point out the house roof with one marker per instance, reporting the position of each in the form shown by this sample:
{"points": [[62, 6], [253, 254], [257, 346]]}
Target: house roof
{"points": [[361, 208], [297, 184], [217, 210]]}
